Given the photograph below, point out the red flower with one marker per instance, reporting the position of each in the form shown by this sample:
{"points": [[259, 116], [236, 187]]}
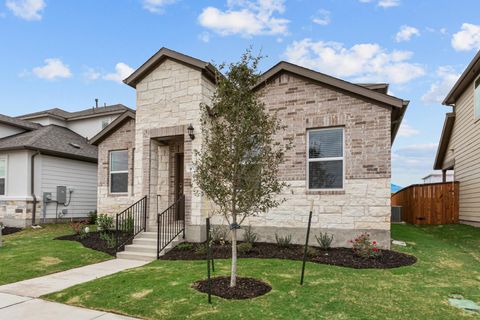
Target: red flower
{"points": [[375, 249], [374, 242]]}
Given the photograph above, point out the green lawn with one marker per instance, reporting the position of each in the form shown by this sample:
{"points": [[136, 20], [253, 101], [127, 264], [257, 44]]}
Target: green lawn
{"points": [[449, 262], [33, 252]]}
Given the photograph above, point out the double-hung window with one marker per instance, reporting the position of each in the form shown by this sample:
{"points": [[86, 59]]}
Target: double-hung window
{"points": [[118, 171], [325, 159], [3, 177], [477, 99]]}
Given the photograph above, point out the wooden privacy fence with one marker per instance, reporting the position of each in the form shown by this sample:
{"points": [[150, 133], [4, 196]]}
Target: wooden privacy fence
{"points": [[433, 203]]}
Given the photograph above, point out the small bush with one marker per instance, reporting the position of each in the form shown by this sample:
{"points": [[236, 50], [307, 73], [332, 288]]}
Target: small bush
{"points": [[219, 235], [77, 227], [283, 242], [92, 217], [363, 247], [324, 240], [109, 239], [184, 246], [250, 236], [201, 249], [244, 247], [129, 225], [311, 252], [104, 222]]}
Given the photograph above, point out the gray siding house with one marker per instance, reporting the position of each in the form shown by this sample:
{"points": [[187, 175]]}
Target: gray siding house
{"points": [[341, 158]]}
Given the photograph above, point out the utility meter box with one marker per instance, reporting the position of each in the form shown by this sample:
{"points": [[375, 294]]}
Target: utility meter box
{"points": [[61, 194]]}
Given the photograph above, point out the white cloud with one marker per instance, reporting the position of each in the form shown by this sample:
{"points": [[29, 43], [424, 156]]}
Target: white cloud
{"points": [[53, 69], [91, 74], [322, 18], [122, 71], [388, 3], [362, 62], [157, 6], [446, 77], [406, 33], [246, 18], [26, 9], [467, 38], [204, 37], [407, 131]]}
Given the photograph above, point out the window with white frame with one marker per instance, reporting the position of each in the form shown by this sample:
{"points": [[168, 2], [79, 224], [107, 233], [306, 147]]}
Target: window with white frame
{"points": [[118, 171], [477, 98], [3, 177], [325, 159]]}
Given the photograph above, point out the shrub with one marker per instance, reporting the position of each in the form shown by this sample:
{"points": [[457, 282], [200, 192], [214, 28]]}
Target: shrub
{"points": [[184, 246], [109, 239], [201, 249], [250, 236], [283, 242], [311, 252], [104, 222], [77, 227], [363, 247], [244, 247], [128, 225], [324, 240], [92, 217], [219, 235]]}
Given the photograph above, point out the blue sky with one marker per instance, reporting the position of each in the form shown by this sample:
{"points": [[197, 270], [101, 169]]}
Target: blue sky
{"points": [[65, 53]]}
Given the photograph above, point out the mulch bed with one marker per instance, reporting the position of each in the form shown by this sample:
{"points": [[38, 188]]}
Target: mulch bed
{"points": [[343, 257], [10, 230], [246, 288], [93, 241]]}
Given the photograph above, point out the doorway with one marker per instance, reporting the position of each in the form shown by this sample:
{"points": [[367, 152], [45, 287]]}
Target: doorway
{"points": [[179, 185]]}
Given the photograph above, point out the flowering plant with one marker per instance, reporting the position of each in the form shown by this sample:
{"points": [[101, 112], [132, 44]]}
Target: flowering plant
{"points": [[363, 247]]}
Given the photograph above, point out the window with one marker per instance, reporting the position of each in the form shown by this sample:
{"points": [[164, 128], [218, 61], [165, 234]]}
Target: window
{"points": [[119, 171], [325, 158], [477, 98], [3, 176]]}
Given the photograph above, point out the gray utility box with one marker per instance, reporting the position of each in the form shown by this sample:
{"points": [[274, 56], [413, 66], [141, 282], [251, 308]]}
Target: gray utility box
{"points": [[396, 214], [61, 194]]}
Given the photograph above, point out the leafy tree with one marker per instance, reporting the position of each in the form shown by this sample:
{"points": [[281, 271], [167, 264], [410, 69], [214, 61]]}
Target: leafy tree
{"points": [[237, 167]]}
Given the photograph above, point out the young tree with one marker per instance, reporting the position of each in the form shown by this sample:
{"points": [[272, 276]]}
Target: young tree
{"points": [[237, 167]]}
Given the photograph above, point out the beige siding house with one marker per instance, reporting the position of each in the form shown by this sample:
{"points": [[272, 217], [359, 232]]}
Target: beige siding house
{"points": [[341, 159], [459, 147]]}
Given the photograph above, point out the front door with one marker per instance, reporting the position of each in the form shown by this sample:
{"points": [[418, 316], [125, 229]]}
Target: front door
{"points": [[179, 185]]}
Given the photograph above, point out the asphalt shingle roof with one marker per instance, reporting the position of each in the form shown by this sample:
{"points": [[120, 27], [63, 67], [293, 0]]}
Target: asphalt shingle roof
{"points": [[54, 140], [19, 123], [66, 115]]}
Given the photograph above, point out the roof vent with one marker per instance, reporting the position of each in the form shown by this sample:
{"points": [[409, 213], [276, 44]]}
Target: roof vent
{"points": [[76, 146]]}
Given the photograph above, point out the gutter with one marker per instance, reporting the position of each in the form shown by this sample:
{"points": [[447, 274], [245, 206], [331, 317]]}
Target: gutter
{"points": [[32, 186]]}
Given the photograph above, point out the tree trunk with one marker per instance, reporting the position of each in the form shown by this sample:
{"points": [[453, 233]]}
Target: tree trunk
{"points": [[233, 276]]}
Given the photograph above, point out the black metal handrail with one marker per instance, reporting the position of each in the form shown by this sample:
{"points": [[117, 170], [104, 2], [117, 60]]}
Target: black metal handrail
{"points": [[131, 222], [169, 225]]}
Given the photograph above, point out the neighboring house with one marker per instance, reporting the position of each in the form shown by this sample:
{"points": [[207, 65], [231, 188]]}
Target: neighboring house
{"points": [[45, 152], [395, 188], [341, 157], [459, 147], [438, 177]]}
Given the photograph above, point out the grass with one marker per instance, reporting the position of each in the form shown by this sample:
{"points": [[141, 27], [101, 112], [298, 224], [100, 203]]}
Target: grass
{"points": [[33, 252], [448, 262]]}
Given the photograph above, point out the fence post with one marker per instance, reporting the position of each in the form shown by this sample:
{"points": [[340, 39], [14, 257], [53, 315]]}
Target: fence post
{"points": [[306, 245], [209, 258], [116, 233]]}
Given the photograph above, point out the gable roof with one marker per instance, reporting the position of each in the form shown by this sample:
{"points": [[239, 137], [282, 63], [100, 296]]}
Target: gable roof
{"points": [[466, 79], [164, 53], [52, 140], [444, 141], [69, 116], [18, 123], [114, 125], [360, 90]]}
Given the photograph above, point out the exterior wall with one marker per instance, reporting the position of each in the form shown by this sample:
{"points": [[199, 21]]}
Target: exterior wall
{"points": [[168, 100], [6, 130], [122, 139], [79, 176], [89, 127], [434, 178], [466, 149], [45, 121]]}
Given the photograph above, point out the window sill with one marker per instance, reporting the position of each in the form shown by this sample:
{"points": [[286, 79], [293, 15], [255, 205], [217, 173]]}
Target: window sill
{"points": [[126, 194], [325, 192]]}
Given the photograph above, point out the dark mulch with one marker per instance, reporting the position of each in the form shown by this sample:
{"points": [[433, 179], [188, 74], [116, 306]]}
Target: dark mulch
{"points": [[10, 230], [343, 257], [246, 288], [93, 241]]}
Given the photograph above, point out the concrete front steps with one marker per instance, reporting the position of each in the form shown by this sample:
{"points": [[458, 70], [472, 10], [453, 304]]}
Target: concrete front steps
{"points": [[144, 247]]}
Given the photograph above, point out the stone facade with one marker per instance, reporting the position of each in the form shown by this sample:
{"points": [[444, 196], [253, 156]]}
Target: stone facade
{"points": [[122, 139], [168, 100], [18, 213]]}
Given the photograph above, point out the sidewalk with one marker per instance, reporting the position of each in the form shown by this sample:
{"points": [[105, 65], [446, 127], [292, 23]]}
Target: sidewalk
{"points": [[18, 300]]}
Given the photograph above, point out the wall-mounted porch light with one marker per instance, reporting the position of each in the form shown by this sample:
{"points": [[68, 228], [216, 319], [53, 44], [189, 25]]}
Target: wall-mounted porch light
{"points": [[190, 131]]}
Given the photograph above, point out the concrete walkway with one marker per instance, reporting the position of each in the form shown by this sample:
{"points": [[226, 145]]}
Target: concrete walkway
{"points": [[18, 300]]}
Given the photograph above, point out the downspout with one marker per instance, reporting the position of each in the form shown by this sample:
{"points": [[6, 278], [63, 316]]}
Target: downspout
{"points": [[32, 186]]}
